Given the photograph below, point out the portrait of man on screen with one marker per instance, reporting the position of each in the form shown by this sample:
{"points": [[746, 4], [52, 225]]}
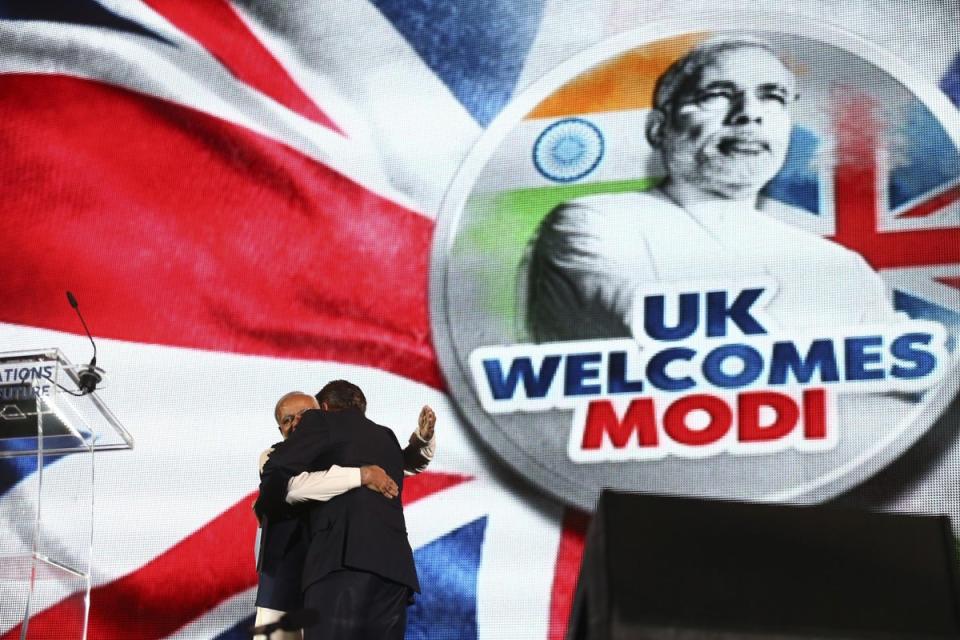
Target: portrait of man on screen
{"points": [[721, 124]]}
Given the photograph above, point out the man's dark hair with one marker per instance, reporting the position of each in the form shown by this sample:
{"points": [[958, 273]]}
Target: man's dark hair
{"points": [[683, 72], [340, 394]]}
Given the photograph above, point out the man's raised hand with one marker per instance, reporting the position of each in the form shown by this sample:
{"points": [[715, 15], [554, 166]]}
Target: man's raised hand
{"points": [[426, 423], [376, 479]]}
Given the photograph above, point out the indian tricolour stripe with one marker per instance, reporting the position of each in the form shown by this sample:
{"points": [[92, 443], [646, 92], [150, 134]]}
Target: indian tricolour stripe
{"points": [[200, 420], [517, 188], [591, 131], [589, 137], [606, 149]]}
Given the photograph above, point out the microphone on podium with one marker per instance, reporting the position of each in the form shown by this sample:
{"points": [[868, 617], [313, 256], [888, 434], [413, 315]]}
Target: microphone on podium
{"points": [[91, 376]]}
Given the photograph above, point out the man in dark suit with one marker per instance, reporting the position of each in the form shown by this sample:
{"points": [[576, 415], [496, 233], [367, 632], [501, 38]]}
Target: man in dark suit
{"points": [[358, 572], [282, 541]]}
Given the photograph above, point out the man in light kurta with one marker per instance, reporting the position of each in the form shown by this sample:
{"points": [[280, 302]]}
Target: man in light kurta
{"points": [[721, 123]]}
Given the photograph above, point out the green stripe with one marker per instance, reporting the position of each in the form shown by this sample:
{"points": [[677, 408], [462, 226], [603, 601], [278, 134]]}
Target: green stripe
{"points": [[498, 228]]}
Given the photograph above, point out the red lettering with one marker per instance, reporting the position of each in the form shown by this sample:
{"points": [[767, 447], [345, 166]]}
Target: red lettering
{"points": [[764, 421], [675, 419], [748, 410], [602, 418], [815, 414]]}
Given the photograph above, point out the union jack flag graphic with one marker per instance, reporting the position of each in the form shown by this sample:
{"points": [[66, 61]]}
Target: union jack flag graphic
{"points": [[243, 196]]}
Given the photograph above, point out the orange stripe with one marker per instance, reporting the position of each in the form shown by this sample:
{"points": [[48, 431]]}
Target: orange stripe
{"points": [[625, 82]]}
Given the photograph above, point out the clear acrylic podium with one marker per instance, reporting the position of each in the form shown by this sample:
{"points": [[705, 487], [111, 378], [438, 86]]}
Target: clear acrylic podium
{"points": [[48, 438]]}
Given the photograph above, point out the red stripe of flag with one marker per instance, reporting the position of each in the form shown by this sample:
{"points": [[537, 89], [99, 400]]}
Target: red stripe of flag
{"points": [[218, 27], [933, 205], [426, 484], [856, 183], [184, 582], [566, 571], [950, 282], [176, 228]]}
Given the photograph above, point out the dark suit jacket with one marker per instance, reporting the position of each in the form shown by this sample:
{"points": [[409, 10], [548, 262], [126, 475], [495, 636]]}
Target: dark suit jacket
{"points": [[283, 551], [282, 555], [356, 530]]}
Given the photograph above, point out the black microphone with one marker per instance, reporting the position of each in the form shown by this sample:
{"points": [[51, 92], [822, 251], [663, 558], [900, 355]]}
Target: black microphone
{"points": [[89, 378], [292, 621]]}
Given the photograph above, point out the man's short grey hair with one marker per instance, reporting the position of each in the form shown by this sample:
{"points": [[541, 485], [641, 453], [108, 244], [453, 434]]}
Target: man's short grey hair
{"points": [[284, 398], [676, 78]]}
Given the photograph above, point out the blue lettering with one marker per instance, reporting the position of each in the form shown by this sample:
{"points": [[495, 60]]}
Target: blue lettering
{"points": [[739, 312], [657, 369], [536, 385], [786, 359], [577, 374], [617, 375], [713, 366], [654, 320], [903, 349], [861, 352]]}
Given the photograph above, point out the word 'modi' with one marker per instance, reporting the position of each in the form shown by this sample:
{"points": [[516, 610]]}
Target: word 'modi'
{"points": [[702, 424]]}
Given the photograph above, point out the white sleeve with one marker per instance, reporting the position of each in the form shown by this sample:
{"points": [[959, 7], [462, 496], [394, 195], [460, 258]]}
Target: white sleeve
{"points": [[322, 485], [256, 548], [263, 458]]}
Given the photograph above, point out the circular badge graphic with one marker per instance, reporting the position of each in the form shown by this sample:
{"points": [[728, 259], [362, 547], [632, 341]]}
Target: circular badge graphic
{"points": [[753, 296], [568, 150]]}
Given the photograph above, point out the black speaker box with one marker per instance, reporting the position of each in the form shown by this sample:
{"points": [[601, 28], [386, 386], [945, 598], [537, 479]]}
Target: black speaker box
{"points": [[687, 569]]}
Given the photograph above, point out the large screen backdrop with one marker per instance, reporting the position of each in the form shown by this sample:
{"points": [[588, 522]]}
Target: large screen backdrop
{"points": [[681, 248]]}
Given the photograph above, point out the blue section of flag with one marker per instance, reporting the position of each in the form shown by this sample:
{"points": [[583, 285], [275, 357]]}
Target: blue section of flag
{"points": [[239, 631], [447, 608], [476, 47], [83, 12], [920, 309], [950, 83], [929, 161], [13, 470], [447, 568], [797, 183]]}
